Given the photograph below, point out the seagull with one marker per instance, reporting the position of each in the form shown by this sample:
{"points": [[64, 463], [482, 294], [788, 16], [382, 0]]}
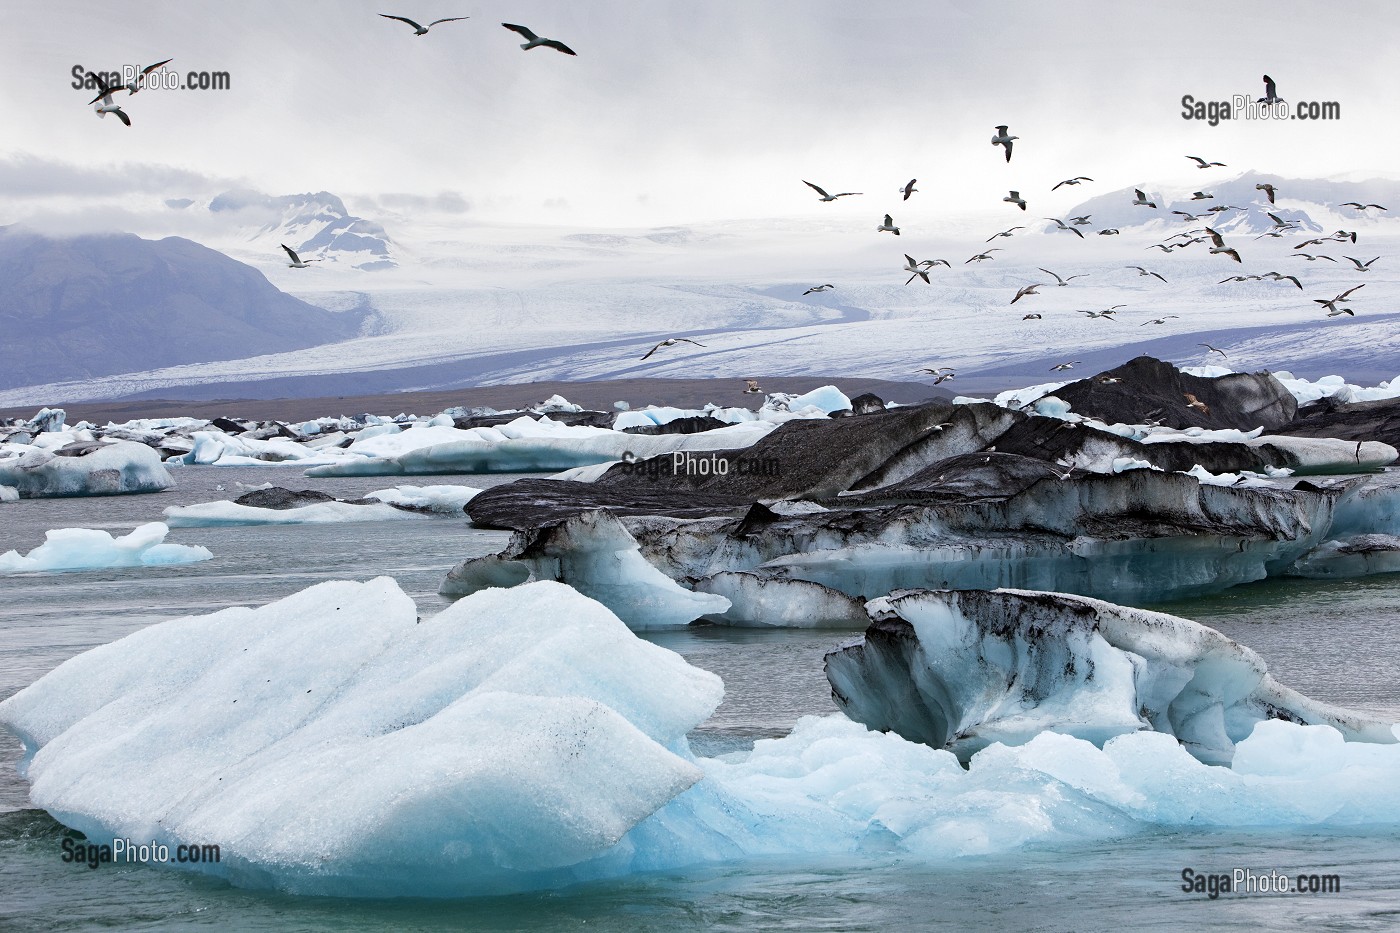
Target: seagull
{"points": [[1306, 243], [1336, 311], [1016, 199], [1220, 246], [941, 374], [888, 226], [1007, 232], [423, 30], [671, 342], [1164, 247], [1279, 222], [1031, 317], [297, 261], [1268, 191], [1311, 258], [102, 89], [1210, 350], [751, 387], [107, 107], [1027, 290], [1240, 278], [1222, 207], [818, 288], [1361, 207], [1108, 231], [1106, 315], [1202, 163], [1001, 139], [829, 197], [1064, 226], [1270, 92], [914, 267], [909, 188], [1142, 199], [1343, 295], [1188, 215], [1157, 320], [134, 86], [533, 41], [1361, 266], [1142, 271], [1200, 196], [1081, 220], [987, 254], [1060, 281], [1193, 402], [1073, 181], [1061, 367], [1343, 235], [1280, 277]]}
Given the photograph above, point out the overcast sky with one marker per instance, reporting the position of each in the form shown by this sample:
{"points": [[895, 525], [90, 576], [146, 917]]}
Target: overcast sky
{"points": [[683, 112]]}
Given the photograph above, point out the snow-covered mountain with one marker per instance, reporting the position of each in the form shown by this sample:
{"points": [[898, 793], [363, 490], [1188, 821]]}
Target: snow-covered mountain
{"points": [[315, 225], [96, 305]]}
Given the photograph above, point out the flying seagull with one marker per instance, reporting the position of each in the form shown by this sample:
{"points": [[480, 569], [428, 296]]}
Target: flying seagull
{"points": [[423, 30], [751, 387], [1081, 219], [915, 268], [297, 261], [1270, 92], [1361, 207], [888, 226], [1105, 315], [1200, 196], [1141, 199], [1078, 179], [1157, 320], [1108, 231], [1361, 266], [828, 197], [1202, 163], [1342, 235], [533, 41], [1311, 258], [1002, 139], [1015, 198], [941, 374], [1027, 290], [1210, 350], [1065, 226], [986, 254], [1220, 246], [1007, 232], [1142, 271], [818, 288], [1280, 277], [1268, 191], [1060, 281], [1031, 317], [102, 89], [135, 85], [107, 107], [1279, 222], [1061, 367], [909, 188], [671, 342]]}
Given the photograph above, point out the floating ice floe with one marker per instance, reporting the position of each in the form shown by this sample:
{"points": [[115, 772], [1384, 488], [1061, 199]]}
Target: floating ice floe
{"points": [[401, 502], [92, 549], [1337, 389], [99, 470], [331, 743], [9, 494]]}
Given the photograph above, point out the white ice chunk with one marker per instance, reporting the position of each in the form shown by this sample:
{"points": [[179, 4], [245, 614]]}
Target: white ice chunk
{"points": [[91, 549]]}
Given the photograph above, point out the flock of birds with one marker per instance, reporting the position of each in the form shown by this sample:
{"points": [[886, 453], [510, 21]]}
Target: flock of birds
{"points": [[1208, 234], [103, 102], [921, 269]]}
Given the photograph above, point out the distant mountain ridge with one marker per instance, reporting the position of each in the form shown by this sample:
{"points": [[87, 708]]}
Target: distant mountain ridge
{"points": [[311, 223], [95, 305]]}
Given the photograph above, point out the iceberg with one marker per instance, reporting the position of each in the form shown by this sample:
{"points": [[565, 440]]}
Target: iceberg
{"points": [[98, 470], [962, 670], [91, 549], [401, 502], [594, 554]]}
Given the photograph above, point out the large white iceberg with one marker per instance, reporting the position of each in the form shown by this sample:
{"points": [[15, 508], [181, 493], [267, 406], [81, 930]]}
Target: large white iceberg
{"points": [[110, 469], [93, 549]]}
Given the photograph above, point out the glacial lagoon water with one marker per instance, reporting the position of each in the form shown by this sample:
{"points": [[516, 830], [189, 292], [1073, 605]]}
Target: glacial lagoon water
{"points": [[1333, 641]]}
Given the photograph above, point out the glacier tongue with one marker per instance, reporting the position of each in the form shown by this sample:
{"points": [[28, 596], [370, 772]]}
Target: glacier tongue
{"points": [[964, 669]]}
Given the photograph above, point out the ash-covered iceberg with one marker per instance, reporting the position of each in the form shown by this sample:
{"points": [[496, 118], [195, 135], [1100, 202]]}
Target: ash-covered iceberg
{"points": [[87, 470], [594, 554], [965, 669], [278, 506], [93, 549]]}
